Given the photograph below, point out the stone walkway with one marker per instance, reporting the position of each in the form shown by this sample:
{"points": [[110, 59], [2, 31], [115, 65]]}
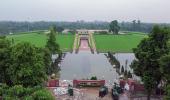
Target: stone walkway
{"points": [[84, 45]]}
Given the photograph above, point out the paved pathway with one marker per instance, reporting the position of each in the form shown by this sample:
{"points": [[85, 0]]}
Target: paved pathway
{"points": [[123, 97], [84, 45]]}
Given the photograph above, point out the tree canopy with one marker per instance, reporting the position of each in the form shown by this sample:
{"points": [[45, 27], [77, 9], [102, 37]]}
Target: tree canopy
{"points": [[59, 29], [27, 67], [5, 46], [23, 66], [114, 27], [148, 53], [51, 43]]}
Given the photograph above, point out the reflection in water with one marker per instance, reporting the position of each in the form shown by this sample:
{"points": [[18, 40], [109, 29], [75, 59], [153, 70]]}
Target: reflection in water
{"points": [[125, 59], [84, 65]]}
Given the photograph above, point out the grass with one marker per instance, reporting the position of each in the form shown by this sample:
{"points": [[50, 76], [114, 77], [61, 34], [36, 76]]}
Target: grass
{"points": [[104, 43], [39, 40], [118, 43]]}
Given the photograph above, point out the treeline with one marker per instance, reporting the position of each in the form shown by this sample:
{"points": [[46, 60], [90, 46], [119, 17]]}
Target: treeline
{"points": [[137, 25], [10, 26]]}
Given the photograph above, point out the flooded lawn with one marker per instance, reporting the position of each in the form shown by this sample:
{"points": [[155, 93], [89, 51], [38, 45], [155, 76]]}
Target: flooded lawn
{"points": [[125, 59], [84, 65]]}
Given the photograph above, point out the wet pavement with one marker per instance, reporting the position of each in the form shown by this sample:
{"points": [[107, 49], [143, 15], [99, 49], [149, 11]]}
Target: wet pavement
{"points": [[84, 45]]}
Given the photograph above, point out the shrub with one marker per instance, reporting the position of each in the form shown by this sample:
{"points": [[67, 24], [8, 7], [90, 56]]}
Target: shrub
{"points": [[93, 78], [43, 94]]}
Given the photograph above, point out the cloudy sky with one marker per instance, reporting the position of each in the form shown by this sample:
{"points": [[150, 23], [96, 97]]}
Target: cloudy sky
{"points": [[88, 10]]}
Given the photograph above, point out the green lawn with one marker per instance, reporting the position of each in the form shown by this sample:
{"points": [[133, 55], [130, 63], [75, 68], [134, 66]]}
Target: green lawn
{"points": [[118, 43], [39, 40]]}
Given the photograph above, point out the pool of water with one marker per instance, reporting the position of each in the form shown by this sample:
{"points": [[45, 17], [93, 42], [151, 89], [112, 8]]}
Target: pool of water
{"points": [[85, 65], [125, 60]]}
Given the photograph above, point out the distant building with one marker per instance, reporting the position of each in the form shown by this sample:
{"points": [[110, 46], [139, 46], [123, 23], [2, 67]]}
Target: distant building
{"points": [[66, 31], [82, 31], [86, 31], [97, 31], [11, 33]]}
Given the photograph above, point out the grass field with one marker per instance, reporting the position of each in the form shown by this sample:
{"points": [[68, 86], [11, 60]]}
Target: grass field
{"points": [[118, 43], [39, 40]]}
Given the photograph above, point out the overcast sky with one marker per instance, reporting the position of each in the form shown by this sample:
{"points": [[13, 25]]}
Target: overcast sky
{"points": [[88, 10]]}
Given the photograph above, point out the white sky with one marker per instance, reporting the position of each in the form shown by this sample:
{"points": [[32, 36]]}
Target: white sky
{"points": [[88, 10]]}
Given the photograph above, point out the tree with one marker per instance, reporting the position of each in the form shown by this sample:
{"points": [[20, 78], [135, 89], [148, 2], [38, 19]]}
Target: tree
{"points": [[134, 25], [138, 25], [51, 43], [21, 66], [59, 29], [27, 65], [148, 53], [126, 62], [167, 97], [47, 60], [54, 29], [122, 70], [149, 83], [5, 47], [129, 75], [126, 73], [165, 67], [114, 27]]}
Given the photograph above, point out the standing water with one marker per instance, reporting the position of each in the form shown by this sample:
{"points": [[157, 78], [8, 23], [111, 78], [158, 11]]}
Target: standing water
{"points": [[125, 60], [85, 65]]}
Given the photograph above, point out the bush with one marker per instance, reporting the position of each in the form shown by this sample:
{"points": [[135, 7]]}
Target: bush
{"points": [[18, 92], [43, 95], [167, 96], [93, 78], [113, 60], [129, 74], [122, 69], [28, 98]]}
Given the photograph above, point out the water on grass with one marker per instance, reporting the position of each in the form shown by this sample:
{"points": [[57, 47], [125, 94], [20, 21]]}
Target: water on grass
{"points": [[84, 65]]}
